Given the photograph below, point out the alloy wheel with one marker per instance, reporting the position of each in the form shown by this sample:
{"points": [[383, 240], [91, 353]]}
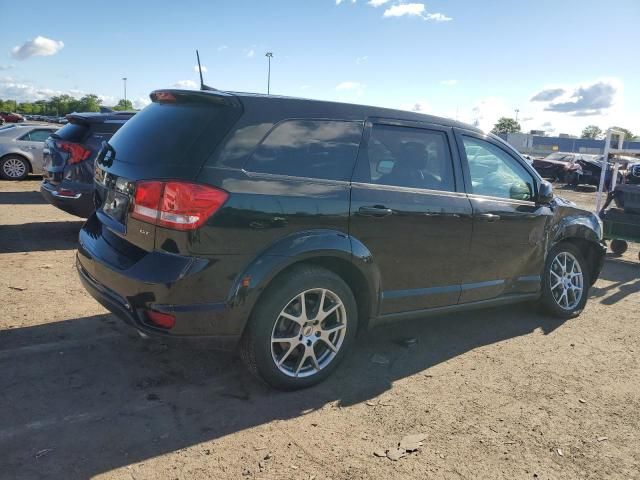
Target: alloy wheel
{"points": [[566, 281], [14, 168], [308, 333]]}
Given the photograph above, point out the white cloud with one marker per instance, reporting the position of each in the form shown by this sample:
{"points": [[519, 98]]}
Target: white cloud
{"points": [[305, 87], [437, 17], [338, 2], [195, 69], [187, 84], [141, 102], [222, 47], [377, 3], [361, 60], [349, 86], [6, 67], [414, 10], [402, 9], [39, 46], [251, 53], [449, 83]]}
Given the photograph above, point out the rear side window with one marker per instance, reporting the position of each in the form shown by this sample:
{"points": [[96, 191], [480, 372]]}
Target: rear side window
{"points": [[324, 149], [73, 132], [410, 157], [172, 134]]}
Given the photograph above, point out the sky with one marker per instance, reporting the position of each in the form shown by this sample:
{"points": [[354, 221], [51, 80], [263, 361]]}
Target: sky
{"points": [[563, 64]]}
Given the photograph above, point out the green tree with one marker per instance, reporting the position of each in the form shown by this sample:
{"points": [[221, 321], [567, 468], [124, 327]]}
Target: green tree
{"points": [[593, 132], [124, 105], [506, 125], [89, 103]]}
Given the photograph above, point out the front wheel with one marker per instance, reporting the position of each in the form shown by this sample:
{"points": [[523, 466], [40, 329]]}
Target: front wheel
{"points": [[300, 329], [565, 281]]}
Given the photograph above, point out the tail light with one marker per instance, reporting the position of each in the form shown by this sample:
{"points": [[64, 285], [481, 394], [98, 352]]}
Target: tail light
{"points": [[162, 320], [176, 205], [77, 153]]}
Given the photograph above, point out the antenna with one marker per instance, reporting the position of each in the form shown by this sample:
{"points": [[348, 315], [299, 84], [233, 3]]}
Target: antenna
{"points": [[200, 70], [202, 85]]}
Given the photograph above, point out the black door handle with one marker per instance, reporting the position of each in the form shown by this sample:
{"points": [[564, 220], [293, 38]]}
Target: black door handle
{"points": [[489, 217], [375, 211]]}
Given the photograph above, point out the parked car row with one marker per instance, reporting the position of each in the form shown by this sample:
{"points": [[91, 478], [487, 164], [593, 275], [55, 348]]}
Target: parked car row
{"points": [[9, 117], [573, 168]]}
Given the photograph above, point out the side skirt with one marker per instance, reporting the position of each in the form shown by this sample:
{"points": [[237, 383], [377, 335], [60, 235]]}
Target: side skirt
{"points": [[493, 302]]}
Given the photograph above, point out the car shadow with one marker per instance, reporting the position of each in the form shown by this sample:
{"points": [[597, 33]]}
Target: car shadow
{"points": [[85, 396], [39, 236], [21, 198], [622, 277]]}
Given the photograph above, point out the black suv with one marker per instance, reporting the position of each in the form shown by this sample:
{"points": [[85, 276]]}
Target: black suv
{"points": [[69, 156], [286, 225]]}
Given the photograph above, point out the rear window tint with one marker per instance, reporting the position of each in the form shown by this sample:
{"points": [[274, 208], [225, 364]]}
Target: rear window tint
{"points": [[172, 134], [72, 132], [324, 149], [106, 129]]}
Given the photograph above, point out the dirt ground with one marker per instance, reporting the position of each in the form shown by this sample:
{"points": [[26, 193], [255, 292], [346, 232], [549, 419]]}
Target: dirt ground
{"points": [[504, 393]]}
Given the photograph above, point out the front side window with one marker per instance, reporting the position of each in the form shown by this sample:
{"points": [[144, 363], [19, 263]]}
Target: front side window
{"points": [[495, 173], [324, 149], [410, 157]]}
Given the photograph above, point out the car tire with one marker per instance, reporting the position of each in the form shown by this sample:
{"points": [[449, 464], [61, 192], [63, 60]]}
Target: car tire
{"points": [[14, 167], [618, 247], [304, 357], [565, 274]]}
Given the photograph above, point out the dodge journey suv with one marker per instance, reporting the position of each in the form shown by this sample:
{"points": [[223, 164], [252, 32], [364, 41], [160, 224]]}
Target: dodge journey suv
{"points": [[284, 226]]}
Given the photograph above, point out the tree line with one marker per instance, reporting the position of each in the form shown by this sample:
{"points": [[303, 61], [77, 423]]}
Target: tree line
{"points": [[510, 125], [60, 105]]}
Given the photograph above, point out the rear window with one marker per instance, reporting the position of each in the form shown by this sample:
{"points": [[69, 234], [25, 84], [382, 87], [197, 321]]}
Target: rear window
{"points": [[324, 149], [72, 132], [172, 134]]}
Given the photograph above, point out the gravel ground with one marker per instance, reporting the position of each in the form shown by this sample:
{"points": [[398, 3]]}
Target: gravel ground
{"points": [[503, 393]]}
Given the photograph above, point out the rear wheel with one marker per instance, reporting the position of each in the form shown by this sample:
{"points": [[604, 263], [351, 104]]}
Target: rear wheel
{"points": [[301, 328], [13, 167], [565, 282]]}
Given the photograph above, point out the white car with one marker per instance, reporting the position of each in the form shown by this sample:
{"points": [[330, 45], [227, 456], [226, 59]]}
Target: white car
{"points": [[21, 148]]}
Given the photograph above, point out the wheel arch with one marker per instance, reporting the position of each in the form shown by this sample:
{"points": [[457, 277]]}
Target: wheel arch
{"points": [[332, 250], [17, 154], [587, 240]]}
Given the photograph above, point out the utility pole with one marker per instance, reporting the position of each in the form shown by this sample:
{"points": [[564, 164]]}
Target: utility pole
{"points": [[124, 79], [269, 56], [517, 112]]}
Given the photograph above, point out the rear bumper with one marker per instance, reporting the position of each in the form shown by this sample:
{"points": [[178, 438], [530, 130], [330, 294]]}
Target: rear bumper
{"points": [[168, 283], [80, 204]]}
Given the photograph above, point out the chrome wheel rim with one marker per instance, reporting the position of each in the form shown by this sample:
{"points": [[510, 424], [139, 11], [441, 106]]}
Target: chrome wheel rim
{"points": [[308, 333], [14, 168], [566, 280]]}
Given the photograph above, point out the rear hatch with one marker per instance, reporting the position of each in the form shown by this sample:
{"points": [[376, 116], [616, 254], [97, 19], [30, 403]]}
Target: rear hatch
{"points": [[55, 156], [167, 141]]}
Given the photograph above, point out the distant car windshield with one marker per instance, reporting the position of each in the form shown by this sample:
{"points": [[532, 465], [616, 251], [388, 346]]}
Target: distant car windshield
{"points": [[559, 157]]}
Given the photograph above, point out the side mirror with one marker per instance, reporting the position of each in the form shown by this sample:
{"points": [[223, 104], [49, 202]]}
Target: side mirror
{"points": [[545, 192]]}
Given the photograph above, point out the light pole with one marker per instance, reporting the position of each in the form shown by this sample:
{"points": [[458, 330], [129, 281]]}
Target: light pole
{"points": [[517, 112], [124, 79], [269, 56]]}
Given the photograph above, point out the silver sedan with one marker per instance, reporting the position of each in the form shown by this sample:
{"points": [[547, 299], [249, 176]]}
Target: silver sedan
{"points": [[21, 148]]}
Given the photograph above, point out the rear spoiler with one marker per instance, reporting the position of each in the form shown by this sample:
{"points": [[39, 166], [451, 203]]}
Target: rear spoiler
{"points": [[171, 95]]}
